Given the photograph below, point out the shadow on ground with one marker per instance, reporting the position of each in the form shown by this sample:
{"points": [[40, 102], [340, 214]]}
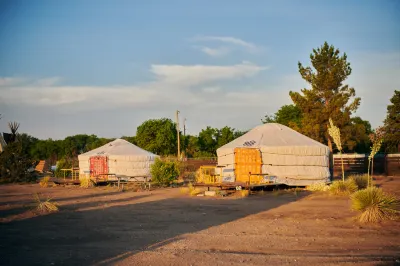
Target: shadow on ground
{"points": [[109, 234]]}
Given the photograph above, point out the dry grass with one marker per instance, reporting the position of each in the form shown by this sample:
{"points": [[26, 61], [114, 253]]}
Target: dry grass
{"points": [[44, 182], [244, 193], [85, 182], [44, 206], [374, 205], [190, 189], [343, 188], [317, 187]]}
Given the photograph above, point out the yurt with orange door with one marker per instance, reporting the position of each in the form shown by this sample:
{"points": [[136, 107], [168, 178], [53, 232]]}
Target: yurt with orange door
{"points": [[275, 150], [117, 158]]}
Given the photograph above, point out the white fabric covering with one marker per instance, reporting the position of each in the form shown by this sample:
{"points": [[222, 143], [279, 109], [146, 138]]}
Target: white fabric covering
{"points": [[124, 158], [285, 153]]}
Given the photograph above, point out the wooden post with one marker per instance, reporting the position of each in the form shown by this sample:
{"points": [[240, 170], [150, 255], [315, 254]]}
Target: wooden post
{"points": [[177, 132]]}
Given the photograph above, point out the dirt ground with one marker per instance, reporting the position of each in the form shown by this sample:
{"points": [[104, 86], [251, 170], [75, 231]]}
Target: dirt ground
{"points": [[101, 226]]}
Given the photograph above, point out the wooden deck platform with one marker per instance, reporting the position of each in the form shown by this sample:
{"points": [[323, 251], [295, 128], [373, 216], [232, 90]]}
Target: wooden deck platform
{"points": [[230, 185], [62, 181]]}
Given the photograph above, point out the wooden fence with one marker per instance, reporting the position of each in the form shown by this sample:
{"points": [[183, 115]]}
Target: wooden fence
{"points": [[384, 164]]}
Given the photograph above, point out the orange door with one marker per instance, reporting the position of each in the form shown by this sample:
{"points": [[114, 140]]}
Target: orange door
{"points": [[247, 161], [98, 166]]}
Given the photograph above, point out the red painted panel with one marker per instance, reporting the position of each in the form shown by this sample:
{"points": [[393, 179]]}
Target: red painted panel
{"points": [[98, 165]]}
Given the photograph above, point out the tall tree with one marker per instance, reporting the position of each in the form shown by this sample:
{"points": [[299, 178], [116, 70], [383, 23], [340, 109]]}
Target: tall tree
{"points": [[157, 136], [392, 124], [328, 97]]}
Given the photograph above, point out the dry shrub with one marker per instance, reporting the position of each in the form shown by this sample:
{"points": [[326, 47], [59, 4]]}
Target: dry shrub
{"points": [[343, 188], [86, 182], [192, 190], [244, 193], [318, 187], [44, 182], [360, 180], [374, 205], [44, 206]]}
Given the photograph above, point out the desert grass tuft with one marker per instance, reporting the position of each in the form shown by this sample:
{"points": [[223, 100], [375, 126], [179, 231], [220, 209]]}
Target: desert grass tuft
{"points": [[343, 188], [360, 180], [374, 205], [44, 182], [44, 206]]}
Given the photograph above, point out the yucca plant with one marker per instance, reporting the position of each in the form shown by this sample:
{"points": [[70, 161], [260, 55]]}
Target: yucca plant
{"points": [[44, 182], [360, 180], [377, 140], [334, 132], [341, 188], [44, 206], [374, 205]]}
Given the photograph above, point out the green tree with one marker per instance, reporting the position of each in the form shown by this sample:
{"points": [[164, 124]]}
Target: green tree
{"points": [[358, 138], [392, 124], [158, 136], [226, 135], [130, 139], [208, 140], [328, 96], [288, 115]]}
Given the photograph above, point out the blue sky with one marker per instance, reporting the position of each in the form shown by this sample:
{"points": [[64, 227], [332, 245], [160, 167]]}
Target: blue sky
{"points": [[104, 67]]}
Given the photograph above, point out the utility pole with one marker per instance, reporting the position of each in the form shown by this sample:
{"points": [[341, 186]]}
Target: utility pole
{"points": [[184, 127], [184, 136], [177, 131]]}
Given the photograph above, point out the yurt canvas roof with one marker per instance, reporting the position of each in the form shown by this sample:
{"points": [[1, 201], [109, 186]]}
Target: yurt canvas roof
{"points": [[118, 147], [275, 138]]}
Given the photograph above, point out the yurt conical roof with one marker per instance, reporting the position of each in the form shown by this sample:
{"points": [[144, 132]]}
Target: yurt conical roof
{"points": [[275, 138], [118, 147]]}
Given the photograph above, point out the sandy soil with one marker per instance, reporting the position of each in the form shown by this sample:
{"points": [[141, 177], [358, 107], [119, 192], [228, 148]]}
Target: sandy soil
{"points": [[101, 226]]}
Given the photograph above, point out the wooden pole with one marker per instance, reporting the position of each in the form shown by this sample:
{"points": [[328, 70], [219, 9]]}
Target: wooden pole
{"points": [[177, 132]]}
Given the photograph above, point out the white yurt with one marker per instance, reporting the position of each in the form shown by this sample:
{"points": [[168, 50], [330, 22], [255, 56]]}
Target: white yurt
{"points": [[119, 158], [275, 150]]}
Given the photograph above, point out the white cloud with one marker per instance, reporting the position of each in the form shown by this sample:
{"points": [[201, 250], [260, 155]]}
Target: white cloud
{"points": [[231, 44], [220, 51], [172, 84], [192, 75]]}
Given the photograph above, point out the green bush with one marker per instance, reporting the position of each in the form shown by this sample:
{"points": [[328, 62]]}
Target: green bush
{"points": [[360, 180], [374, 205], [340, 187], [62, 164], [164, 172], [15, 165]]}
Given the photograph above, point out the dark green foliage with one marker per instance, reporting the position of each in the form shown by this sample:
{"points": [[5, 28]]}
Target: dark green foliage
{"points": [[164, 172], [158, 136], [15, 164], [392, 124], [288, 115], [328, 97]]}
